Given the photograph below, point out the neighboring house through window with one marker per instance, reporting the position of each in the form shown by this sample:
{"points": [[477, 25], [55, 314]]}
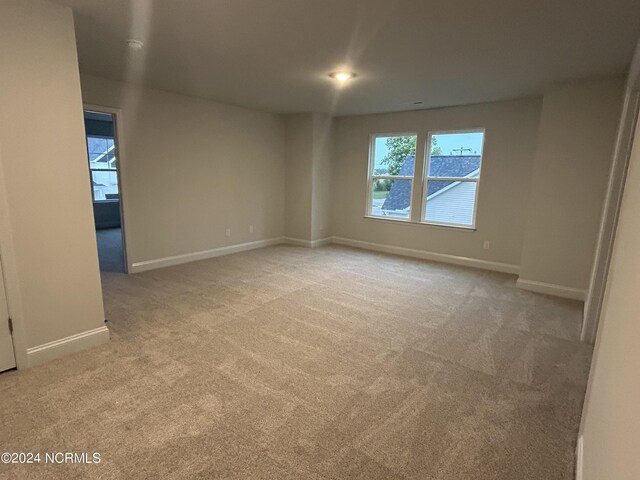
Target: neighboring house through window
{"points": [[451, 175]]}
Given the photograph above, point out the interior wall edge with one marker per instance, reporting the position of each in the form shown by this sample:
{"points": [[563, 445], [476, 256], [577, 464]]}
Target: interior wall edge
{"points": [[308, 243], [613, 200]]}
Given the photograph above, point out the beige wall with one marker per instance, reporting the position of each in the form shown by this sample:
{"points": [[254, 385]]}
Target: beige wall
{"points": [[323, 150], [510, 142], [193, 168], [309, 154], [299, 175], [571, 170], [612, 410], [50, 244]]}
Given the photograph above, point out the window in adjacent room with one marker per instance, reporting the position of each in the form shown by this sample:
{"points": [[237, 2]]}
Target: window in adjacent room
{"points": [[392, 160], [450, 192], [103, 163]]}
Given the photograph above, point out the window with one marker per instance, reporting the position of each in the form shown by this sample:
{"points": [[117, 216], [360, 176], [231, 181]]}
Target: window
{"points": [[450, 172], [391, 169], [103, 167], [451, 181]]}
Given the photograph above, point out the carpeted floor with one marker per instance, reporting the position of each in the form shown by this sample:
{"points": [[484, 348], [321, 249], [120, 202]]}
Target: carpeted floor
{"points": [[110, 251], [292, 363]]}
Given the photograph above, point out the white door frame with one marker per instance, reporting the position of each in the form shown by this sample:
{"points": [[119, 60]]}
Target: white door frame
{"points": [[609, 219], [119, 141], [10, 271], [8, 356]]}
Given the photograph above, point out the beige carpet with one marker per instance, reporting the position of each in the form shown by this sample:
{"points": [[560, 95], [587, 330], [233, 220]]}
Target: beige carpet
{"points": [[291, 363]]}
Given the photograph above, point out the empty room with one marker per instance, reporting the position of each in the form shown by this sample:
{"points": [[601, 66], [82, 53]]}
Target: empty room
{"points": [[320, 239]]}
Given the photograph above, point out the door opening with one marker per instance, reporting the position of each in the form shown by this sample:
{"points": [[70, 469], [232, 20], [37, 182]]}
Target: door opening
{"points": [[104, 176]]}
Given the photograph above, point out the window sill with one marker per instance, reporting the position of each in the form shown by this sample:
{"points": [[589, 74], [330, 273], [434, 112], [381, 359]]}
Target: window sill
{"points": [[423, 224]]}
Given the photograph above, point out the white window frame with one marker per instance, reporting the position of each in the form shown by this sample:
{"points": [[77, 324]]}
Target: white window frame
{"points": [[108, 169], [371, 177], [425, 178]]}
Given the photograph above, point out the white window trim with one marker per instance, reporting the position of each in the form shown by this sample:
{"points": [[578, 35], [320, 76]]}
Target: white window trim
{"points": [[425, 178], [371, 177]]}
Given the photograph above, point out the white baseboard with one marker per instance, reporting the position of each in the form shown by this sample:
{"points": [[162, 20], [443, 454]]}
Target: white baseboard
{"points": [[138, 267], [321, 242], [425, 255], [297, 241], [551, 289], [65, 346], [579, 457], [308, 243]]}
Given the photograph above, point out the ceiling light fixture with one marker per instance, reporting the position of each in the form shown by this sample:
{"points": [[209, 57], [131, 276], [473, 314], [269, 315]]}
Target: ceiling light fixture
{"points": [[135, 45], [342, 76]]}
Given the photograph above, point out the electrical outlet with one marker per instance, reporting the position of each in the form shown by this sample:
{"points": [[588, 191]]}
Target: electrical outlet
{"points": [[250, 228], [486, 245], [228, 232]]}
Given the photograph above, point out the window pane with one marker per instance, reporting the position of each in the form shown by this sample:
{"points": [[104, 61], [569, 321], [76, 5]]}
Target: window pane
{"points": [[451, 202], [105, 185], [97, 145], [391, 198], [455, 154], [394, 155]]}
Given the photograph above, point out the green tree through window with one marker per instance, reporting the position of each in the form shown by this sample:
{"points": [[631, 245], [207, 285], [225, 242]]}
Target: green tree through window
{"points": [[400, 148]]}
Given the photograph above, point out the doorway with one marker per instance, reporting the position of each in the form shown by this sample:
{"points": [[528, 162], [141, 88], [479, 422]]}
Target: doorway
{"points": [[104, 176], [609, 220]]}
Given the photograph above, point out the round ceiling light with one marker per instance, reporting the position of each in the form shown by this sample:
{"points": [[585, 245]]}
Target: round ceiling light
{"points": [[342, 76], [134, 45]]}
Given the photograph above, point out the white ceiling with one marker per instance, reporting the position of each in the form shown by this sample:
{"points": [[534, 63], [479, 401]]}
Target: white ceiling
{"points": [[275, 54]]}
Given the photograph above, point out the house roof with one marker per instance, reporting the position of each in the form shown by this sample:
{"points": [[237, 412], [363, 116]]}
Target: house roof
{"points": [[399, 197], [453, 165]]}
